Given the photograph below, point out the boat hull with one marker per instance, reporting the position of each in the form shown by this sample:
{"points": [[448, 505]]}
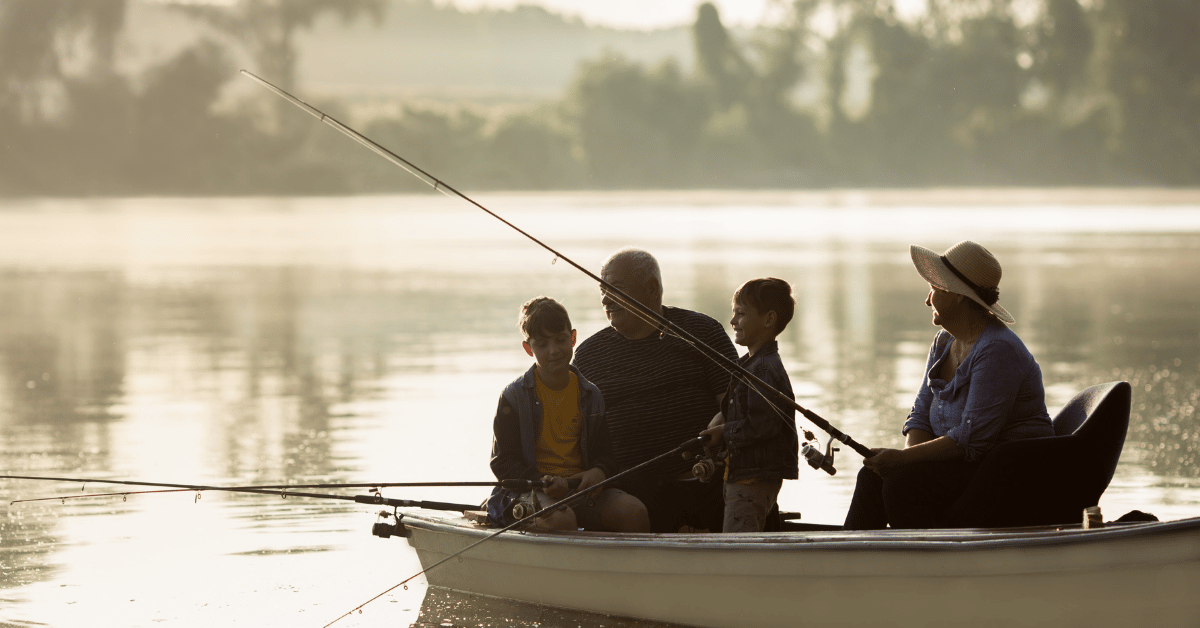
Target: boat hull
{"points": [[1117, 576]]}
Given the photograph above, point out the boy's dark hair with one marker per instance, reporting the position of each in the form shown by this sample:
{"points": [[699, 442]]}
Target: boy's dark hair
{"points": [[768, 294], [543, 315]]}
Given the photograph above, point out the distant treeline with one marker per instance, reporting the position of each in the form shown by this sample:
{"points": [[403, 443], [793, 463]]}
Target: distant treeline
{"points": [[838, 93]]}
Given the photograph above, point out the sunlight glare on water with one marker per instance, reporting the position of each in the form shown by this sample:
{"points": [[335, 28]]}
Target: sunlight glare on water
{"points": [[320, 340]]}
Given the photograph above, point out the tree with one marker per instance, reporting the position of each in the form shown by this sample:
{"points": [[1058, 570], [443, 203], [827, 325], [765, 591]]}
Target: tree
{"points": [[35, 38], [637, 127], [56, 74], [718, 58], [1154, 74], [1065, 40], [267, 28]]}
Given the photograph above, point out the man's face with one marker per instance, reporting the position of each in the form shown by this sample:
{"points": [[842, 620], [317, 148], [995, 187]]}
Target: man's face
{"points": [[628, 323]]}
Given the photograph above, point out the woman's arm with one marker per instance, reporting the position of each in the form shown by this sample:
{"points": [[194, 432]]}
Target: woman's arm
{"points": [[918, 417], [915, 437], [940, 448]]}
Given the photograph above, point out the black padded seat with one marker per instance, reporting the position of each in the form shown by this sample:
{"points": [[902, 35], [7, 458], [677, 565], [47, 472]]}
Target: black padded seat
{"points": [[1050, 480]]}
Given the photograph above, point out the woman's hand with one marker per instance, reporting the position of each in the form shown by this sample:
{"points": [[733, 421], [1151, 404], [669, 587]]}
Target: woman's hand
{"points": [[940, 448], [884, 459]]}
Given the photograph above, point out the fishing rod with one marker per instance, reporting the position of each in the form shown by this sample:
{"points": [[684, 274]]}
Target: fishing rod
{"points": [[441, 186], [284, 490], [689, 445]]}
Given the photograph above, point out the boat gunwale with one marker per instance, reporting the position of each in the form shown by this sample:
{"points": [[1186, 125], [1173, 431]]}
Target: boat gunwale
{"points": [[941, 539]]}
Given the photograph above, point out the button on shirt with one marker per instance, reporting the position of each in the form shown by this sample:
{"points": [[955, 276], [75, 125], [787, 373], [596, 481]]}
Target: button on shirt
{"points": [[995, 396]]}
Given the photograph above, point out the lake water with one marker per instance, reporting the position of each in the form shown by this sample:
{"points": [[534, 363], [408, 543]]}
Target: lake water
{"points": [[274, 340]]}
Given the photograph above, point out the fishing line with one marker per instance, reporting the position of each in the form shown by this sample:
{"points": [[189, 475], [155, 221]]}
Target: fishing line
{"points": [[285, 490], [735, 374], [689, 445], [443, 187]]}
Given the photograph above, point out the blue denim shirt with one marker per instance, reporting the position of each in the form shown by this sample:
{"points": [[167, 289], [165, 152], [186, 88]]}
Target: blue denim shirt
{"points": [[518, 424], [995, 396], [760, 433]]}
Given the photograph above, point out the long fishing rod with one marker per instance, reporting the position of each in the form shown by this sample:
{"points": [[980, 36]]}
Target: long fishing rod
{"points": [[285, 490], [689, 445], [441, 186]]}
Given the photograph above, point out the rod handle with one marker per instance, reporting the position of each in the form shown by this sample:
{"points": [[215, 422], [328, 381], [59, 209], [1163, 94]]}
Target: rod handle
{"points": [[523, 486]]}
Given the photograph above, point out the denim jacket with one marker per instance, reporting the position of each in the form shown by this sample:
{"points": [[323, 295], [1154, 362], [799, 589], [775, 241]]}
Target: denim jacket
{"points": [[516, 429], [995, 396], [760, 437]]}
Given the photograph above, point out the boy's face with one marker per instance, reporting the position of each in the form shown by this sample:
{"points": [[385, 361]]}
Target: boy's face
{"points": [[751, 328], [551, 351]]}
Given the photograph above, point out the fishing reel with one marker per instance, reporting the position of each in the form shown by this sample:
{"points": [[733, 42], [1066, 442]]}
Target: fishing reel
{"points": [[706, 465], [522, 508], [385, 530], [818, 460]]}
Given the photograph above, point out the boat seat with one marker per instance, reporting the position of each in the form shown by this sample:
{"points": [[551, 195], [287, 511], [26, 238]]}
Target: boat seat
{"points": [[1050, 480]]}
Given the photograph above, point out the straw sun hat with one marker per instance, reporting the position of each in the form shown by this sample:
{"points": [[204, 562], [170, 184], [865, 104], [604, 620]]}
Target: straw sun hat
{"points": [[967, 269]]}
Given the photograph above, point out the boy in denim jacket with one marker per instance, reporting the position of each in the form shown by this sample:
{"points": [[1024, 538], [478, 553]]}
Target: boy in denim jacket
{"points": [[759, 434], [550, 426]]}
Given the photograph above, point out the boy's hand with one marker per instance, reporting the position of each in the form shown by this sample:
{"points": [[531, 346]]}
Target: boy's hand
{"points": [[590, 478], [556, 487], [718, 419], [715, 435]]}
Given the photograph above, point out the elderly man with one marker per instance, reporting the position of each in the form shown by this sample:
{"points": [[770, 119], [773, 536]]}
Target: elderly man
{"points": [[658, 391]]}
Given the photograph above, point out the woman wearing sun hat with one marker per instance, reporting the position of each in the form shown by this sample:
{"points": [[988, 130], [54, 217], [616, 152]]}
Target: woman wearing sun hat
{"points": [[981, 388]]}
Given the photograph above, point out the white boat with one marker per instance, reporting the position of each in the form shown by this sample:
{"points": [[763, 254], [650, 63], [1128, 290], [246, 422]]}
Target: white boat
{"points": [[984, 572], [1119, 575]]}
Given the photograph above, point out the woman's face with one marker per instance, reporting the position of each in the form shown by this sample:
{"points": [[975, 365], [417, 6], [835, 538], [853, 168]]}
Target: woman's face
{"points": [[943, 303]]}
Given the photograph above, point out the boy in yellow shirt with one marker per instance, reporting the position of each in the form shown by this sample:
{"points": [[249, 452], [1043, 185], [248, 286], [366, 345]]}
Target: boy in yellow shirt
{"points": [[550, 426]]}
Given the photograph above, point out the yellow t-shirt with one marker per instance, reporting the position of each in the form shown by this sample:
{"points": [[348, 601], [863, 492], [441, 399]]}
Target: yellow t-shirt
{"points": [[557, 448]]}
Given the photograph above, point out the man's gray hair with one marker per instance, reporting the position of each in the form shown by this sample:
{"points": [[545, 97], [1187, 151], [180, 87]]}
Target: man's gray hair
{"points": [[641, 263]]}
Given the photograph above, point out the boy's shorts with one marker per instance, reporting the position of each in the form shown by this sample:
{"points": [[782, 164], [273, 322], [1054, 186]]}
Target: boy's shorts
{"points": [[587, 510], [748, 504]]}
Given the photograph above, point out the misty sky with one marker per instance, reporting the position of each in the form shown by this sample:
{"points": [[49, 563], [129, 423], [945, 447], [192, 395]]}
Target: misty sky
{"points": [[648, 14], [639, 13]]}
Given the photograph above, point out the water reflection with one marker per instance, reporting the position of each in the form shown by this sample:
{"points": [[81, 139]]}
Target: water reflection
{"points": [[443, 608], [63, 344], [205, 366]]}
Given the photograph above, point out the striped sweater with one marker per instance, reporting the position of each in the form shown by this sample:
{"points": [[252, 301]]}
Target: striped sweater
{"points": [[659, 392]]}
